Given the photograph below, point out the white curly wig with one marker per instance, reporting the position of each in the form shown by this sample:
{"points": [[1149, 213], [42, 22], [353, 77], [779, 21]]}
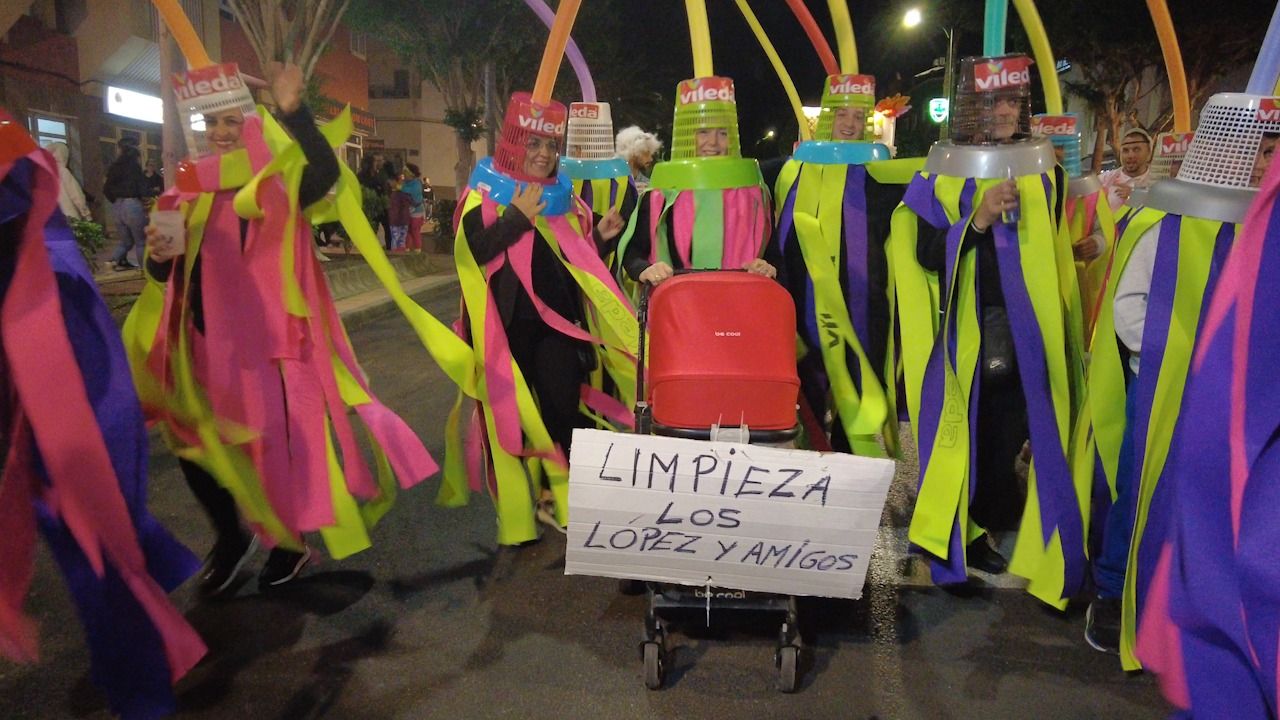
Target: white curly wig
{"points": [[633, 140]]}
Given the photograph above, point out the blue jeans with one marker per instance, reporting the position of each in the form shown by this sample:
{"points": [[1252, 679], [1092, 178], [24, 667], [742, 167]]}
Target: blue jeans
{"points": [[130, 224], [1109, 568]]}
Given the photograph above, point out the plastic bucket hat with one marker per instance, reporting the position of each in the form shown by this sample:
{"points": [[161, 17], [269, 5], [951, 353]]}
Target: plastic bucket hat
{"points": [[525, 122], [706, 104], [855, 92]]}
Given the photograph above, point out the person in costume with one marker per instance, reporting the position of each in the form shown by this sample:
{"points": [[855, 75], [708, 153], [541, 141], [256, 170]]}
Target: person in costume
{"points": [[1209, 624], [599, 176], [639, 149], [73, 455], [1133, 173], [976, 238], [724, 224], [530, 258], [1168, 273], [238, 350], [1089, 225], [845, 203]]}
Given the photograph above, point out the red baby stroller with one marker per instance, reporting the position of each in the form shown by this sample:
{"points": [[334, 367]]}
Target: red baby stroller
{"points": [[721, 366]]}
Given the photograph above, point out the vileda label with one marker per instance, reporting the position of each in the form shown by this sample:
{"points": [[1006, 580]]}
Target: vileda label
{"points": [[1002, 74]]}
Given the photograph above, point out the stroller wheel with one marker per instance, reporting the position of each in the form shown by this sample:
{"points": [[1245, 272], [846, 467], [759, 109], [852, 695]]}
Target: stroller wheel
{"points": [[788, 661], [654, 666]]}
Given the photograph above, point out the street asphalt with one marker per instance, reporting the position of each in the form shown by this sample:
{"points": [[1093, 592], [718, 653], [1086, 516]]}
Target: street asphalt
{"points": [[435, 621]]}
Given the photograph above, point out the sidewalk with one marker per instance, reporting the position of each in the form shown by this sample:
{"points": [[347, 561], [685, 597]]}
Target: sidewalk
{"points": [[358, 294]]}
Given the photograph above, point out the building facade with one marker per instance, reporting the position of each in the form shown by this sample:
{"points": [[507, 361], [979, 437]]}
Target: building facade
{"points": [[410, 118], [87, 72]]}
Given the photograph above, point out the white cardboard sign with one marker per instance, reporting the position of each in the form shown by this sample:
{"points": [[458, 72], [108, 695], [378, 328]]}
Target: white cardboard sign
{"points": [[746, 517]]}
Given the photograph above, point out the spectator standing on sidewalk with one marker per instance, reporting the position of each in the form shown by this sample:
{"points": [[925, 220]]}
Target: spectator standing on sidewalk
{"points": [[155, 181], [70, 196], [125, 188], [414, 188]]}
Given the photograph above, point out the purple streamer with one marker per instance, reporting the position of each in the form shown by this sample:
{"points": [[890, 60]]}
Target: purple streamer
{"points": [[855, 246], [1223, 597], [579, 63], [1059, 509], [1160, 321], [921, 199]]}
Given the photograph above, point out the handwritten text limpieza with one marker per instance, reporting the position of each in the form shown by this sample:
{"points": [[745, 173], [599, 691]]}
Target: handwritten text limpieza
{"points": [[682, 527]]}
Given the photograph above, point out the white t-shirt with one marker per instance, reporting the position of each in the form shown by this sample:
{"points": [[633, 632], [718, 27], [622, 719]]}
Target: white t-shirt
{"points": [[1132, 291], [1112, 180]]}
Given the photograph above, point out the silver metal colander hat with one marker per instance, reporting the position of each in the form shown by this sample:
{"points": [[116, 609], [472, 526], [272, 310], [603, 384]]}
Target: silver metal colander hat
{"points": [[590, 133]]}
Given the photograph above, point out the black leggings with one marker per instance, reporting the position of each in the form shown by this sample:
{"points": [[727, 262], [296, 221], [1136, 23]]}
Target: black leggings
{"points": [[214, 499], [998, 494], [553, 367]]}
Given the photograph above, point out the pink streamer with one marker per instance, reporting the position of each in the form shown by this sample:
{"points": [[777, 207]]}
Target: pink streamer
{"points": [[50, 389], [273, 371], [746, 215], [1159, 644], [682, 214]]}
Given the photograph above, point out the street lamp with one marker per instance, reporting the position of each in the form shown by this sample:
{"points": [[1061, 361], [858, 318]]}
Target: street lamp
{"points": [[914, 17], [769, 134]]}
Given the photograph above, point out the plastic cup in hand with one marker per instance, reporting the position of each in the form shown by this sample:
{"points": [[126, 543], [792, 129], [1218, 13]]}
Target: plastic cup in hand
{"points": [[1012, 215], [172, 229]]}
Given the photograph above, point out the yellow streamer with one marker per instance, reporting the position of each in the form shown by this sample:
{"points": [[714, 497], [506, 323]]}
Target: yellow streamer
{"points": [[554, 52], [699, 37], [1173, 64], [1043, 53], [844, 36], [183, 34], [778, 67]]}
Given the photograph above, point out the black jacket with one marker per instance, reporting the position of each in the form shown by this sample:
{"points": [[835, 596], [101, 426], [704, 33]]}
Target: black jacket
{"points": [[125, 179], [881, 201], [551, 281]]}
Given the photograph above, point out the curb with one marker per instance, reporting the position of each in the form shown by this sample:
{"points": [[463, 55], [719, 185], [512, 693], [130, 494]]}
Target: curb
{"points": [[374, 305]]}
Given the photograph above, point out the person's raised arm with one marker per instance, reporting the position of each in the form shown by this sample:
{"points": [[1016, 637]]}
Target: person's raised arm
{"points": [[321, 171]]}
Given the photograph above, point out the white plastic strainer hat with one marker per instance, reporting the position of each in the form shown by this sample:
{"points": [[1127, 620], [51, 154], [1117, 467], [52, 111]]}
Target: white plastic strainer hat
{"points": [[1170, 150], [1226, 142], [205, 91], [590, 133]]}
